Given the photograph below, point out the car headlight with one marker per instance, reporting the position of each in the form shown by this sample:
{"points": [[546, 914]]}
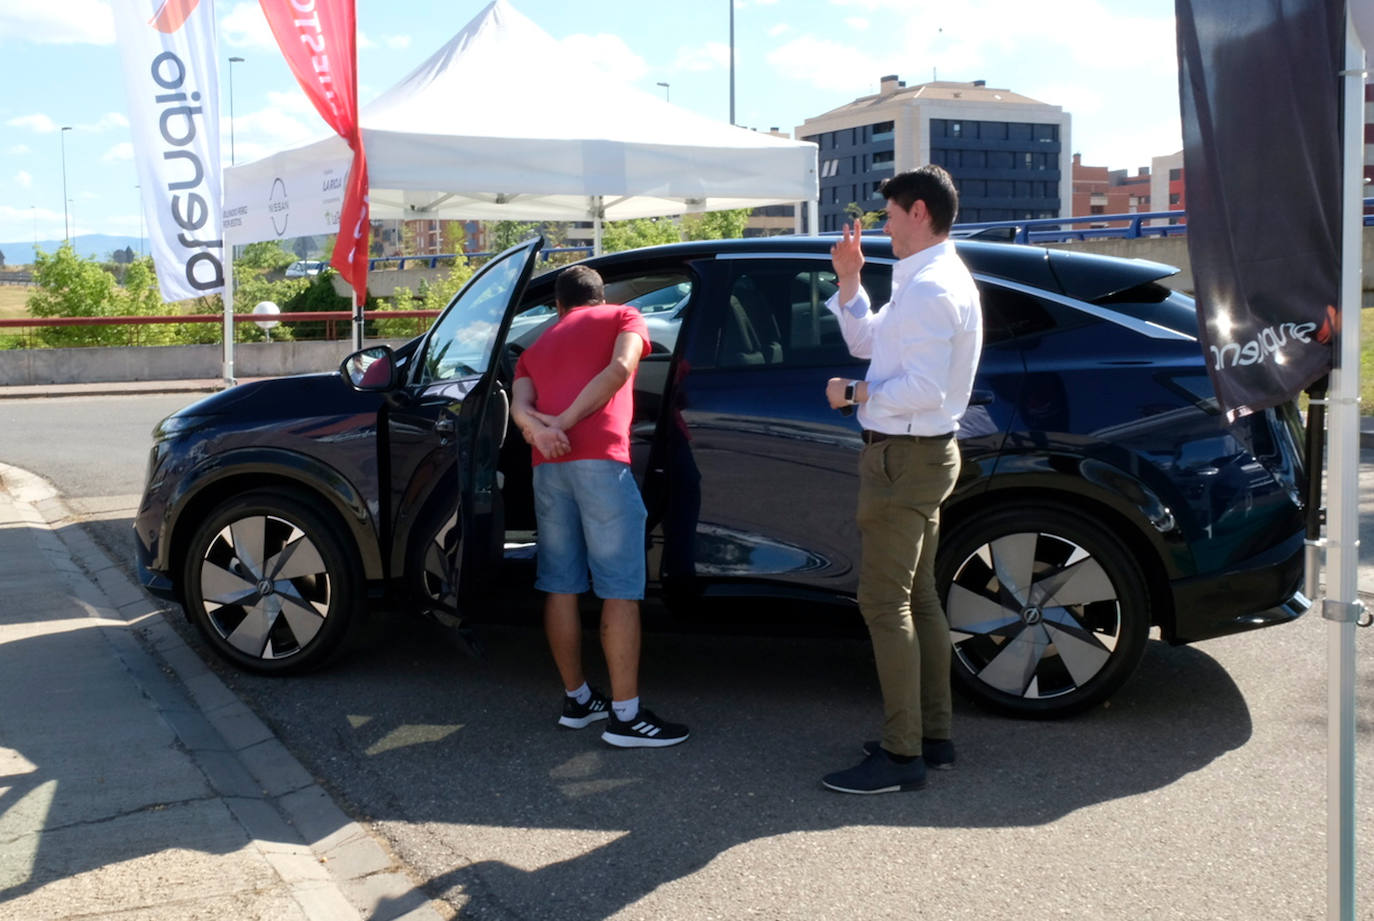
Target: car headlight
{"points": [[181, 424]]}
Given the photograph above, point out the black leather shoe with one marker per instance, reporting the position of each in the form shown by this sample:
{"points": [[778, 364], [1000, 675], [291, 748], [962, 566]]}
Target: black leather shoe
{"points": [[938, 753], [878, 773]]}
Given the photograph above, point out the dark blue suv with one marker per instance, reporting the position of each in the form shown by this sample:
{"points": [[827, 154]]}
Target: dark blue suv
{"points": [[1101, 493]]}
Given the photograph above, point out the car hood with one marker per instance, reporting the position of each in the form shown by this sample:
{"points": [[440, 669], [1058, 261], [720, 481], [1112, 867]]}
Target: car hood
{"points": [[278, 397]]}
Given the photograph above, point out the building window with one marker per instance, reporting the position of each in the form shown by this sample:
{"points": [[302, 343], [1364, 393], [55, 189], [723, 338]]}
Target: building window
{"points": [[1029, 160], [1020, 131], [883, 156], [1046, 133], [1175, 175], [1173, 198], [956, 129]]}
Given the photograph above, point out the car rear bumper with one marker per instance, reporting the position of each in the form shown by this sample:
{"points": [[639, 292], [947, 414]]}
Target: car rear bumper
{"points": [[1266, 591]]}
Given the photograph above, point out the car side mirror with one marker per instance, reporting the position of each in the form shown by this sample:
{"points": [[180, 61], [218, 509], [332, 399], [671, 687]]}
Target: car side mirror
{"points": [[372, 370]]}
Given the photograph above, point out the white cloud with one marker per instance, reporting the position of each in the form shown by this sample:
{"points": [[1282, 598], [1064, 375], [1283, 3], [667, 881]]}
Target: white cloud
{"points": [[23, 179], [246, 27], [39, 123], [779, 29], [607, 55], [857, 23], [397, 42], [123, 151], [364, 42], [71, 22], [830, 65], [711, 56], [18, 149], [107, 121]]}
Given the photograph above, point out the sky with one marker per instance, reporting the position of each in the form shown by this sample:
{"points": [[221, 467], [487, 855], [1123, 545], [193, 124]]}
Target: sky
{"points": [[1111, 64]]}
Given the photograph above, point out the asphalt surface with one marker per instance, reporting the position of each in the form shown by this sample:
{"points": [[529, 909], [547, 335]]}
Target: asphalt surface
{"points": [[1198, 792]]}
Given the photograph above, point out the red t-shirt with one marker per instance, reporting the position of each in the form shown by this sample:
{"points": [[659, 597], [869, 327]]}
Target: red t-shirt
{"points": [[569, 354]]}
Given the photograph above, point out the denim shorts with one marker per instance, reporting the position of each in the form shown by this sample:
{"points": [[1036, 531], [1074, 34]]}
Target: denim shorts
{"points": [[590, 516]]}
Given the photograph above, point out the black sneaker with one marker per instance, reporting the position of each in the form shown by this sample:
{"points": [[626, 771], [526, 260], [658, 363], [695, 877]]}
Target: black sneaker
{"points": [[937, 753], [644, 730], [579, 716], [878, 773]]}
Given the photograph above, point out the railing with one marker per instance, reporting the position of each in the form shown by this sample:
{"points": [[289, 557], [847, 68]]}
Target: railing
{"points": [[1053, 229], [329, 317]]}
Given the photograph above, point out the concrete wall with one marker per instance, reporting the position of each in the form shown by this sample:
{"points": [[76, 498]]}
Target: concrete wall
{"points": [[169, 362]]}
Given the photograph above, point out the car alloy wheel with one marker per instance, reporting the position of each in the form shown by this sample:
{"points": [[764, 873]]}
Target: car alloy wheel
{"points": [[1048, 614], [269, 584]]}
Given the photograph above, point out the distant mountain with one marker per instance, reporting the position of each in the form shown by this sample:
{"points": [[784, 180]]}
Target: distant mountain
{"points": [[94, 245]]}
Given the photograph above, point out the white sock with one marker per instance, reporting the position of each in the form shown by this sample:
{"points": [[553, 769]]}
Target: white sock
{"points": [[582, 694], [626, 710]]}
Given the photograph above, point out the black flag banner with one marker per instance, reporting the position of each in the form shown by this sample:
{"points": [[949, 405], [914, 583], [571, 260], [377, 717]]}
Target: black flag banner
{"points": [[1259, 92]]}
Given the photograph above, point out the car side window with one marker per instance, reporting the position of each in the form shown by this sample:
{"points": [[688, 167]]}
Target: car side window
{"points": [[1011, 314], [773, 314]]}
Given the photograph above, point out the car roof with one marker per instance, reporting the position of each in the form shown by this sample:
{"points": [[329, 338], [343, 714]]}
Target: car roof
{"points": [[1084, 276]]}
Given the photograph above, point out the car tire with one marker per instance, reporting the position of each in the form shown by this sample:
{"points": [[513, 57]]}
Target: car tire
{"points": [[1048, 611], [270, 585]]}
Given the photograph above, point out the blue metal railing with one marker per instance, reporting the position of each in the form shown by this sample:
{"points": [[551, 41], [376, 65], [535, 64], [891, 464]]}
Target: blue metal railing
{"points": [[1040, 230], [434, 261], [1062, 229]]}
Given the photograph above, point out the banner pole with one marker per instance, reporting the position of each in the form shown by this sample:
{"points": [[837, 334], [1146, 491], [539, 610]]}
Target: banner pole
{"points": [[227, 298], [1342, 608]]}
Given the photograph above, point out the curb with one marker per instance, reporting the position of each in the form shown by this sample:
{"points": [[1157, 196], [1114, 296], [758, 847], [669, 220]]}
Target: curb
{"points": [[334, 867]]}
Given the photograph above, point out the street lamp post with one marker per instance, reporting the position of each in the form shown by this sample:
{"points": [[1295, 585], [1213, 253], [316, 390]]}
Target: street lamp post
{"points": [[732, 61], [66, 227], [232, 62], [667, 97]]}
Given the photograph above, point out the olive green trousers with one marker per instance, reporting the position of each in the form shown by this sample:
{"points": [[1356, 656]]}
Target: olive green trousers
{"points": [[901, 485]]}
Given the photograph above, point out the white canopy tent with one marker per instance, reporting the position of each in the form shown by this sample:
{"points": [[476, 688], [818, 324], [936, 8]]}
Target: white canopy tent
{"points": [[501, 123]]}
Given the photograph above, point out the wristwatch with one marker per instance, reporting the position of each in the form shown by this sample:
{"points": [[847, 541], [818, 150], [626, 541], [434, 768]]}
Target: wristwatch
{"points": [[849, 392]]}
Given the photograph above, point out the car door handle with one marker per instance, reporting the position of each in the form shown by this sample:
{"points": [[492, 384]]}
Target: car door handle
{"points": [[444, 426], [980, 398]]}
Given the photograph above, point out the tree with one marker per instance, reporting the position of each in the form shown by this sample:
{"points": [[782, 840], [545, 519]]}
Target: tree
{"points": [[868, 220], [123, 256], [267, 255], [637, 232], [716, 225], [505, 234], [451, 236], [2, 259], [301, 247], [66, 285]]}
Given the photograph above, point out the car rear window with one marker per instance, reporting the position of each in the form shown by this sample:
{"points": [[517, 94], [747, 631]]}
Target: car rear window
{"points": [[1157, 304]]}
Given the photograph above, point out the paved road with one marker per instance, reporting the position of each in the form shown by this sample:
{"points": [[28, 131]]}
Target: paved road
{"points": [[1198, 793]]}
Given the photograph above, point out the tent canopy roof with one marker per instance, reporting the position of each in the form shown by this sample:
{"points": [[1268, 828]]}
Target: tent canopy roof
{"points": [[501, 124]]}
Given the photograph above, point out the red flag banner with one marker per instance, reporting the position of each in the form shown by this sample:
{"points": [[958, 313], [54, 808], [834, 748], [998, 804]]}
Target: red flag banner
{"points": [[1259, 91], [319, 40]]}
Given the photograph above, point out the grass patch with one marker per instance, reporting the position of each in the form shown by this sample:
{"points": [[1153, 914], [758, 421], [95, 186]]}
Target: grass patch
{"points": [[14, 301]]}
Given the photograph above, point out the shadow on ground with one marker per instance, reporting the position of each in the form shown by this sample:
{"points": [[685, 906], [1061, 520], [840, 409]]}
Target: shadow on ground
{"points": [[521, 819]]}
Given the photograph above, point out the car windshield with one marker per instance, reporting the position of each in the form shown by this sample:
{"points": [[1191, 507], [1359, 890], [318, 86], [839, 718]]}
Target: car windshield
{"points": [[461, 342]]}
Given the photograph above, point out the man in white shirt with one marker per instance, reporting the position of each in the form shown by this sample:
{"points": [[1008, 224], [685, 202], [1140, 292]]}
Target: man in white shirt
{"points": [[923, 347]]}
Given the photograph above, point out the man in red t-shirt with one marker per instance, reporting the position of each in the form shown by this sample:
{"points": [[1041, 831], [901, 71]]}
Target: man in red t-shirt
{"points": [[574, 401]]}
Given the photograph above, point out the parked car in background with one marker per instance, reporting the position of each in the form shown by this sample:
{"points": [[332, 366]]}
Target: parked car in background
{"points": [[1101, 494], [304, 269]]}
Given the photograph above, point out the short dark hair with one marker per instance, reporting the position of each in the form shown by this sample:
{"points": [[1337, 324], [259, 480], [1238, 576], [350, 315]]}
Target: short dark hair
{"points": [[578, 285], [930, 184]]}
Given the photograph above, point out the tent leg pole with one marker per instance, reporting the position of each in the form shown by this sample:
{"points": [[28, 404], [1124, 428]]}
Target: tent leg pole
{"points": [[357, 309], [813, 211], [227, 352], [1341, 607], [597, 212]]}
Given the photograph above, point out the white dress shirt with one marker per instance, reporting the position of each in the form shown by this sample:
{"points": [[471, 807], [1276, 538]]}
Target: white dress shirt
{"points": [[923, 344]]}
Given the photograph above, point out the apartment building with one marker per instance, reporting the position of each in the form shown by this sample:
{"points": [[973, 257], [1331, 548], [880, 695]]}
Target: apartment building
{"points": [[1009, 154]]}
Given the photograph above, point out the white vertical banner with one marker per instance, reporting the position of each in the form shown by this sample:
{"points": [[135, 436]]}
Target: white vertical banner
{"points": [[171, 75]]}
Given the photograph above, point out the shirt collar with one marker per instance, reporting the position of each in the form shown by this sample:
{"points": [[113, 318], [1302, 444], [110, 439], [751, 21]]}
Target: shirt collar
{"points": [[912, 264]]}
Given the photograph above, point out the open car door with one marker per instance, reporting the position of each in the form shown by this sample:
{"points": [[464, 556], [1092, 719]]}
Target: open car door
{"points": [[445, 433]]}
